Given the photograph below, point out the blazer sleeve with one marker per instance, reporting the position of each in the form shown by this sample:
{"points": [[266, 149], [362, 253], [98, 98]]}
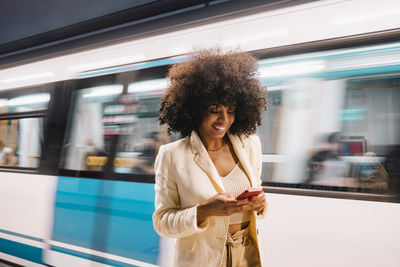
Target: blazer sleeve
{"points": [[257, 156], [169, 219]]}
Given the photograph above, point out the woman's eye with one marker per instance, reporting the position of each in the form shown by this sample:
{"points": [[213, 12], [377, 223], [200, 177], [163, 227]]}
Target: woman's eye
{"points": [[214, 109]]}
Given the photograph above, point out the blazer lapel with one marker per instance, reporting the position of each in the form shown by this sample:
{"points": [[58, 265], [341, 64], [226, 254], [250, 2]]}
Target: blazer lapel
{"points": [[242, 154], [204, 161]]}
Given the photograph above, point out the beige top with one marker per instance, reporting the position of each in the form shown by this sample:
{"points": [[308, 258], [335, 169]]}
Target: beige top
{"points": [[235, 183], [177, 196]]}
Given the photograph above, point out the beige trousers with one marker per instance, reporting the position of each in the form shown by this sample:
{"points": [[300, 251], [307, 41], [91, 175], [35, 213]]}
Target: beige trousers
{"points": [[240, 250]]}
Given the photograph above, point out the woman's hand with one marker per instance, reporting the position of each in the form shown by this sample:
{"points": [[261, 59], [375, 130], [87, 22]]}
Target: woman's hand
{"points": [[259, 203], [223, 204]]}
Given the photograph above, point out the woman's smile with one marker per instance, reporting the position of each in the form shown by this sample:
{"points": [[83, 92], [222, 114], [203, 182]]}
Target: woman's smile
{"points": [[219, 127], [216, 121]]}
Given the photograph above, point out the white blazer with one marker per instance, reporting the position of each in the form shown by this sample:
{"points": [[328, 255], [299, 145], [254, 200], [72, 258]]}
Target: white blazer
{"points": [[185, 177]]}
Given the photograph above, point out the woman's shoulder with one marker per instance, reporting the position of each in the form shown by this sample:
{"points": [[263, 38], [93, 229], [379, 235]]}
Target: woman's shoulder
{"points": [[249, 141]]}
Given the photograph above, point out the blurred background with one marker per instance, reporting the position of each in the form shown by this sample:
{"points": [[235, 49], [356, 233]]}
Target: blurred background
{"points": [[80, 87]]}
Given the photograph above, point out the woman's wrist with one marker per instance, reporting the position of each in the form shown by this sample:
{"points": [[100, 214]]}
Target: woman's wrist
{"points": [[202, 213]]}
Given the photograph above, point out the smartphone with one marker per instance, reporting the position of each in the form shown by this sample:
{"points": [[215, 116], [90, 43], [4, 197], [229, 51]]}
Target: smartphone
{"points": [[249, 193]]}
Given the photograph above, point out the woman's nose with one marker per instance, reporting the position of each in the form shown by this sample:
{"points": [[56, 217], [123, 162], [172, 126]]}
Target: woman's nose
{"points": [[223, 115]]}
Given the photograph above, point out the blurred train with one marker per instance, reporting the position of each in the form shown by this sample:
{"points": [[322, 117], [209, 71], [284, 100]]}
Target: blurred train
{"points": [[79, 134]]}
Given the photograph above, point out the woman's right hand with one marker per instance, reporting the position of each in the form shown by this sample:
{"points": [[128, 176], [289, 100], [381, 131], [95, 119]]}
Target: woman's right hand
{"points": [[221, 204]]}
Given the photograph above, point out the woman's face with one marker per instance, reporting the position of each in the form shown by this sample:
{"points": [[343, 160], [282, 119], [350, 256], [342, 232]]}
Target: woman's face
{"points": [[216, 121]]}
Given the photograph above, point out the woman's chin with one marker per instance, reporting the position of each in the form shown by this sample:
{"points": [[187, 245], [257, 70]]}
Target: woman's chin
{"points": [[219, 134]]}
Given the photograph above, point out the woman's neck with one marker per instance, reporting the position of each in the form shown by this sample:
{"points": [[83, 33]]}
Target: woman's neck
{"points": [[212, 144]]}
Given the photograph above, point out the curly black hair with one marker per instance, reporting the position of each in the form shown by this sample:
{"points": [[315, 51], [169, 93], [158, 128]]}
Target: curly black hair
{"points": [[211, 77]]}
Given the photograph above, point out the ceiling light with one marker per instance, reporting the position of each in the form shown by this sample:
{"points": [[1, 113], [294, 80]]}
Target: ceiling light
{"points": [[29, 99], [151, 85], [106, 90], [292, 69]]}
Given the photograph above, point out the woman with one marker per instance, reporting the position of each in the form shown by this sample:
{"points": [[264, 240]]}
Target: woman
{"points": [[215, 102]]}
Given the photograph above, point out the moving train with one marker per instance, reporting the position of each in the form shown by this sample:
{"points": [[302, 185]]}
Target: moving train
{"points": [[79, 134]]}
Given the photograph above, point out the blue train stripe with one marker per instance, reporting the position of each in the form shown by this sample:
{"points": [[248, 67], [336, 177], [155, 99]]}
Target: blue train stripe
{"points": [[336, 74], [134, 67], [23, 251], [345, 53], [124, 213], [105, 216]]}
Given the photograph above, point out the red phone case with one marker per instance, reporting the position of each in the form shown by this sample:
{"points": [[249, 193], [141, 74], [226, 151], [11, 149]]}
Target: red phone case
{"points": [[251, 192]]}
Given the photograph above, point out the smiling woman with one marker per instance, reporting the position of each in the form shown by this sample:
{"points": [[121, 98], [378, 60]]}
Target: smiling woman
{"points": [[215, 102]]}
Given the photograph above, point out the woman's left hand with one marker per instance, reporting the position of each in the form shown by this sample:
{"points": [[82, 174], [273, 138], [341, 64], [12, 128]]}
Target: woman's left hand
{"points": [[258, 203]]}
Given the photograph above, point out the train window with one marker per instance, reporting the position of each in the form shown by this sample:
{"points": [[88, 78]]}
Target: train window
{"points": [[21, 142], [370, 132], [333, 120], [86, 147], [138, 145], [113, 130], [21, 129]]}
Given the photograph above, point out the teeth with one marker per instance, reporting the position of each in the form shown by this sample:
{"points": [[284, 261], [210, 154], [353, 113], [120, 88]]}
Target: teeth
{"points": [[220, 128]]}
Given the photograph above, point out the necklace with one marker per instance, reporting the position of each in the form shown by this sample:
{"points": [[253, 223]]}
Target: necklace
{"points": [[217, 149]]}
